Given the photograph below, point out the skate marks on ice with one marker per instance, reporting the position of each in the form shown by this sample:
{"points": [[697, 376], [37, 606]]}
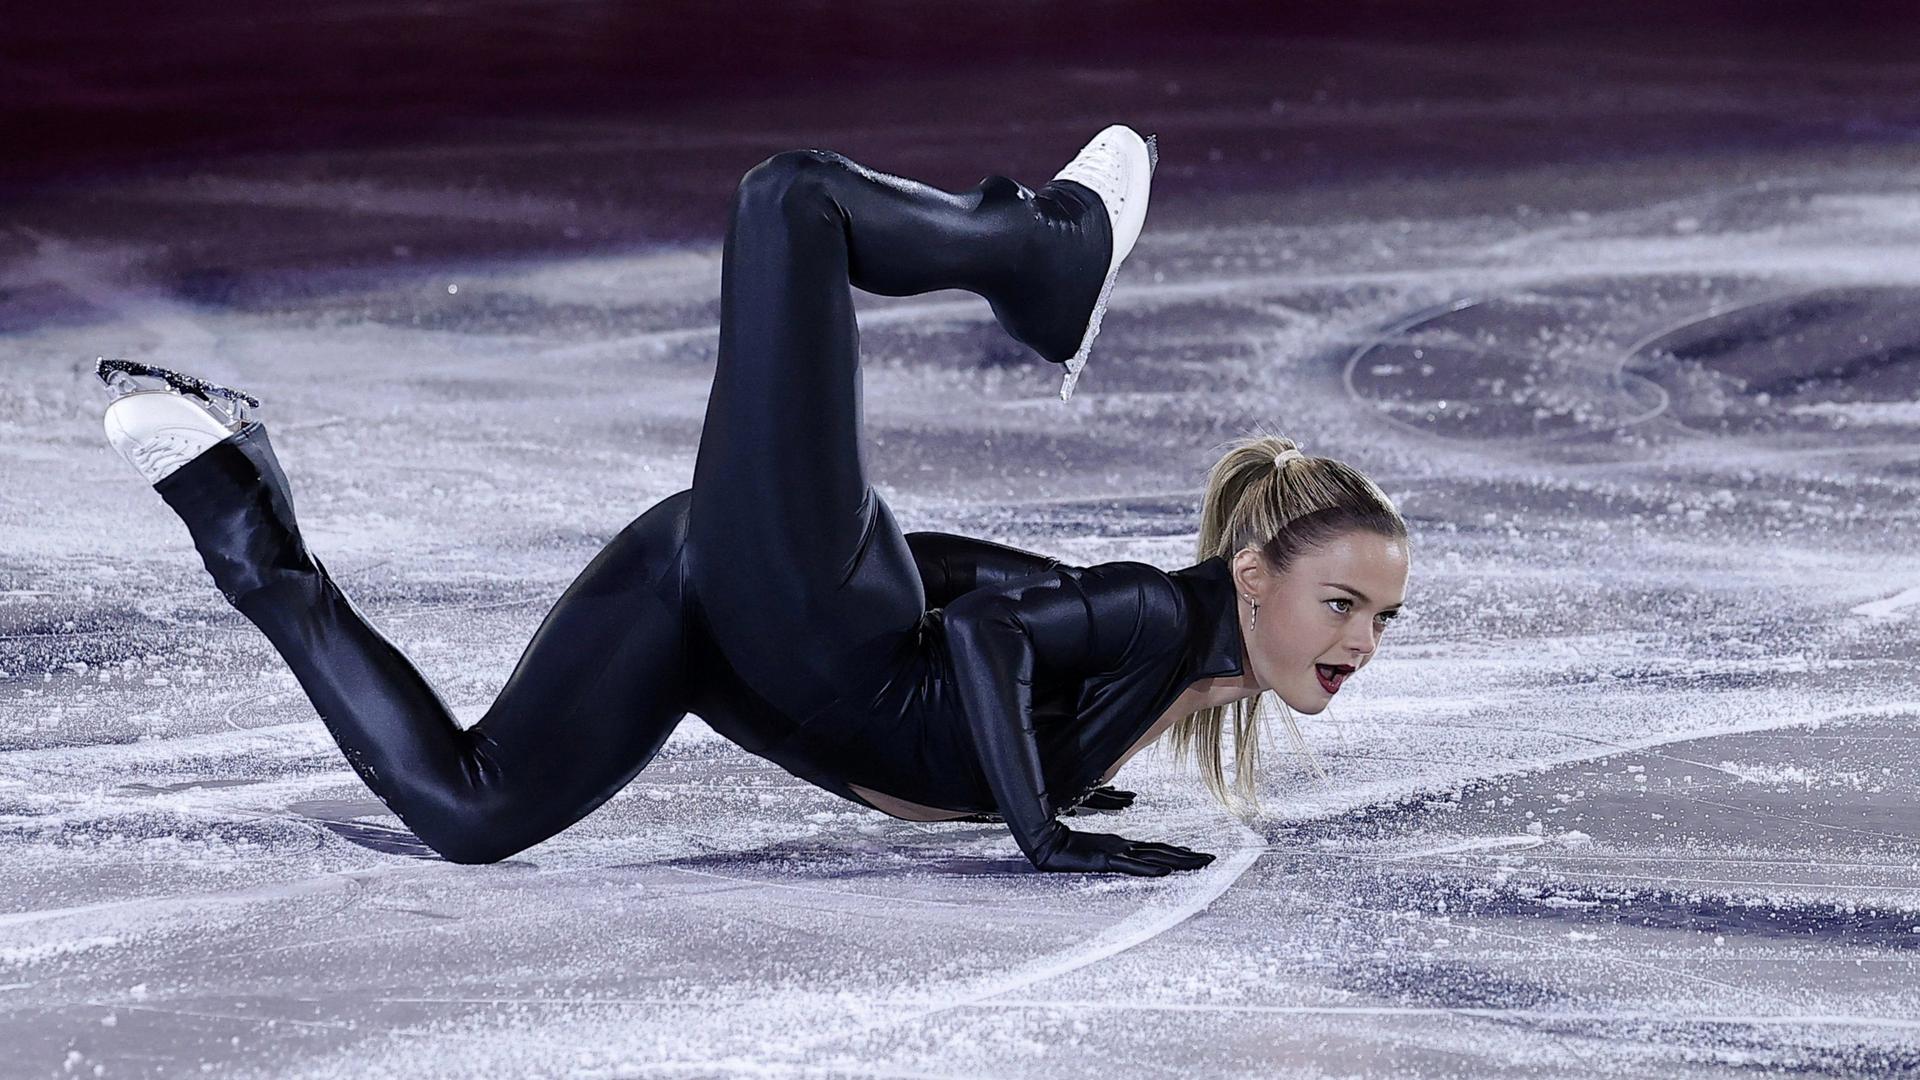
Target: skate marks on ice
{"points": [[1540, 366], [1894, 606], [1735, 899], [1707, 907], [1776, 306], [345, 819], [715, 907], [863, 1025], [1727, 902], [1681, 907], [1805, 833]]}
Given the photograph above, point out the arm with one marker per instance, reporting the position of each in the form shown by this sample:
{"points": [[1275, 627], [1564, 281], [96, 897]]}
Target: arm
{"points": [[998, 638], [950, 565]]}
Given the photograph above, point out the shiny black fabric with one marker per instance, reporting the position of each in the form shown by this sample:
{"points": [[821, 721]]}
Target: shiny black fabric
{"points": [[776, 598]]}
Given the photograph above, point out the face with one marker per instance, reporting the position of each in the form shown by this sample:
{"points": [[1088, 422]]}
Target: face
{"points": [[1320, 621]]}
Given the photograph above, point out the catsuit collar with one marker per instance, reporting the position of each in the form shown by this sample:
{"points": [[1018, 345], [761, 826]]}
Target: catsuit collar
{"points": [[1214, 636]]}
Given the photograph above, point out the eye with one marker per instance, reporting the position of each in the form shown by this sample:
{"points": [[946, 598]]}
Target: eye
{"points": [[1341, 605], [1388, 616]]}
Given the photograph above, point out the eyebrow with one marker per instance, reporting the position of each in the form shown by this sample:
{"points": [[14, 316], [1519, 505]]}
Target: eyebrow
{"points": [[1362, 596]]}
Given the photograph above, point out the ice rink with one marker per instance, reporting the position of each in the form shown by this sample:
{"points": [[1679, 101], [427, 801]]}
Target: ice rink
{"points": [[1629, 328]]}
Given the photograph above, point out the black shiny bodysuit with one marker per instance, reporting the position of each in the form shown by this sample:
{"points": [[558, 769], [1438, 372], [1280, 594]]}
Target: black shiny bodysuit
{"points": [[776, 598]]}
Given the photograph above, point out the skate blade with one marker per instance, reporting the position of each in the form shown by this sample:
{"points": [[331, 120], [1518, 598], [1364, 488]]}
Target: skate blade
{"points": [[121, 377]]}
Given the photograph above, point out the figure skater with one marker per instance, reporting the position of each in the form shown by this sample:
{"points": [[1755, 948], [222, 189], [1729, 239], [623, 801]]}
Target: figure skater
{"points": [[925, 675]]}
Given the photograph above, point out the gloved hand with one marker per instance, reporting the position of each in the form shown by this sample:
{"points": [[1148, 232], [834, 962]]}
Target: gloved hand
{"points": [[1092, 852], [1105, 798]]}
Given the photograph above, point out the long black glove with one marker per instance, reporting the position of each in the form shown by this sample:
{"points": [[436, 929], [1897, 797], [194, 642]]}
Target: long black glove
{"points": [[995, 637]]}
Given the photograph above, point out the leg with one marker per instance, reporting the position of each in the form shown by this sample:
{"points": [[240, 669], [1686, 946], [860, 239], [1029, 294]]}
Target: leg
{"points": [[594, 695], [797, 561]]}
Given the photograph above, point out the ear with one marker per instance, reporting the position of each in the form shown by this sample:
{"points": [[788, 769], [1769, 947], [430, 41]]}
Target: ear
{"points": [[1249, 570]]}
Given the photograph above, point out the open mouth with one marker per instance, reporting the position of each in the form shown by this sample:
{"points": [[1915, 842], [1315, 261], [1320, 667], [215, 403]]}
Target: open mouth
{"points": [[1331, 676]]}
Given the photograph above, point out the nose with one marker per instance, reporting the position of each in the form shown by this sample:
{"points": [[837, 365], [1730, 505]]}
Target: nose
{"points": [[1361, 642]]}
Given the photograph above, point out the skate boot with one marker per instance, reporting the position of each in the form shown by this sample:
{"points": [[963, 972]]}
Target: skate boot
{"points": [[168, 419], [215, 467], [1117, 167]]}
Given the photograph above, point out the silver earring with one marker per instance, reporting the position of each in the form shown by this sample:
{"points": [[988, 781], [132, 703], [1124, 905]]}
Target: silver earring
{"points": [[1255, 620]]}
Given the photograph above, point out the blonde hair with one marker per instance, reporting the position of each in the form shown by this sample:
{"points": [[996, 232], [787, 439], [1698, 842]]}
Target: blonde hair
{"points": [[1282, 503]]}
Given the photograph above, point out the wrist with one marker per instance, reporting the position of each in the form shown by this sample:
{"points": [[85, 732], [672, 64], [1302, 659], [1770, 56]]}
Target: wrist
{"points": [[1046, 843]]}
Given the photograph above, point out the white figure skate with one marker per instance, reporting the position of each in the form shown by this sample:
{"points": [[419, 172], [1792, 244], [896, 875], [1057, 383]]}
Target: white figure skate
{"points": [[169, 419], [1117, 166]]}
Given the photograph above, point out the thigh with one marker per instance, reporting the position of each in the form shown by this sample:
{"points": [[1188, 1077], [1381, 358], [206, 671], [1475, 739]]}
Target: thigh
{"points": [[798, 563], [780, 474], [802, 635]]}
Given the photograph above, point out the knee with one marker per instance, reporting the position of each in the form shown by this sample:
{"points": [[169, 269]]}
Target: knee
{"points": [[467, 831], [788, 180], [466, 847], [471, 854]]}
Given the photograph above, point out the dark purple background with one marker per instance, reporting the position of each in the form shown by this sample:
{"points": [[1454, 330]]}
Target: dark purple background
{"points": [[111, 85]]}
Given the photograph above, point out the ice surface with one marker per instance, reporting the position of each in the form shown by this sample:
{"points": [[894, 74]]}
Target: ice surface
{"points": [[1631, 791]]}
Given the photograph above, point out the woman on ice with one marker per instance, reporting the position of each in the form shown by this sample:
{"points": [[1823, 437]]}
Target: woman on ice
{"points": [[926, 675]]}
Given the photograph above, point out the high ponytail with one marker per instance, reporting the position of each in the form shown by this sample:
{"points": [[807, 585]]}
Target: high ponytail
{"points": [[1282, 503]]}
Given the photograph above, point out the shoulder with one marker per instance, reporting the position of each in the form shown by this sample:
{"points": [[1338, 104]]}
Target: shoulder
{"points": [[1121, 583], [1138, 599], [1104, 615], [1121, 611]]}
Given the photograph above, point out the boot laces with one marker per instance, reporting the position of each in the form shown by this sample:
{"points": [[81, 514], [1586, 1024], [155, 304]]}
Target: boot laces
{"points": [[1101, 163]]}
